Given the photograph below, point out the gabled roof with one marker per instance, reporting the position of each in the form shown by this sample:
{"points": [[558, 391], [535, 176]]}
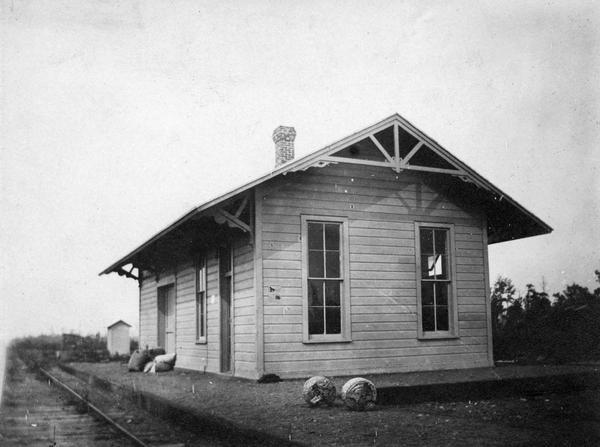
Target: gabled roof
{"points": [[510, 220], [118, 322]]}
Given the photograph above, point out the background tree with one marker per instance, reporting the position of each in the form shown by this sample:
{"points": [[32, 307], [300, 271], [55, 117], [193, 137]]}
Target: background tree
{"points": [[538, 326], [503, 296], [534, 328], [576, 319]]}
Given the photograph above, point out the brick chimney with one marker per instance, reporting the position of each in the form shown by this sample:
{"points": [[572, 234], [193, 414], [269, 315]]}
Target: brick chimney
{"points": [[283, 137]]}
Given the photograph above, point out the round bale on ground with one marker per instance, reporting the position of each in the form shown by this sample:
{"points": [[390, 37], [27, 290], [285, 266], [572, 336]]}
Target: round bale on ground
{"points": [[359, 394], [319, 389]]}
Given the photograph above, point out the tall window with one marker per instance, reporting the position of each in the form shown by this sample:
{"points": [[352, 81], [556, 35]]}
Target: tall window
{"points": [[436, 288], [326, 279], [201, 300]]}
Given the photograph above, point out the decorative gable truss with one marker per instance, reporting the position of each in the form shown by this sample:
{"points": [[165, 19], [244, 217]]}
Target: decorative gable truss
{"points": [[391, 144]]}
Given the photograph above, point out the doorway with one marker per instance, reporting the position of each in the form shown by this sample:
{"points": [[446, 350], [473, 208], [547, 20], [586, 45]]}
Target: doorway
{"points": [[225, 290], [166, 318]]}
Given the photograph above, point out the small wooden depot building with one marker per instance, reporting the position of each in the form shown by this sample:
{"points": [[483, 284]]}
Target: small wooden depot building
{"points": [[118, 341], [367, 256]]}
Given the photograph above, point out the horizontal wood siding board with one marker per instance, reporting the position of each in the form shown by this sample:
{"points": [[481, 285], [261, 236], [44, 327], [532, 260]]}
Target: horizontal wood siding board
{"points": [[393, 267], [471, 292], [382, 312], [373, 284], [470, 268], [382, 234], [382, 327], [290, 344], [380, 275], [478, 323]]}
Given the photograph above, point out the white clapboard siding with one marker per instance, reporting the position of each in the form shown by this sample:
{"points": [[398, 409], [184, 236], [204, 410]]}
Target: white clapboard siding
{"points": [[381, 207], [213, 312], [148, 313], [244, 312], [190, 354]]}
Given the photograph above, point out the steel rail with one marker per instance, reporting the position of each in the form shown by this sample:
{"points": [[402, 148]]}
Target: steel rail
{"points": [[95, 409]]}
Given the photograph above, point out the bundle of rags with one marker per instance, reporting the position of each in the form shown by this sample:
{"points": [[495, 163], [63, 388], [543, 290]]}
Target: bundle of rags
{"points": [[161, 363]]}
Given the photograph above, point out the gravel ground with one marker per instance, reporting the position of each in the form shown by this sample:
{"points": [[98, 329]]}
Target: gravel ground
{"points": [[569, 418]]}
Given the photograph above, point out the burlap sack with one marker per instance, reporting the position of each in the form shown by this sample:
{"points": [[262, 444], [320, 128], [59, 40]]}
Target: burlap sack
{"points": [[138, 360], [166, 358]]}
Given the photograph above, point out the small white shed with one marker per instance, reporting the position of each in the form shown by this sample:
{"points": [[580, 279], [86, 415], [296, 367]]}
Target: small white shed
{"points": [[117, 338]]}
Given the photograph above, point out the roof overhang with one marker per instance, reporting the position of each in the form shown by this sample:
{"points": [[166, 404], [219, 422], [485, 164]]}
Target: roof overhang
{"points": [[393, 142]]}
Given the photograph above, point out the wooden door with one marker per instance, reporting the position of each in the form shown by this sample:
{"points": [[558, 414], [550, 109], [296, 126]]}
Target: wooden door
{"points": [[166, 318], [225, 290]]}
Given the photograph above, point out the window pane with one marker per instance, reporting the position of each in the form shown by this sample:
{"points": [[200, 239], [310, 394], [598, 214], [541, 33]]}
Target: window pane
{"points": [[426, 238], [428, 318], [315, 236], [427, 293], [441, 267], [315, 292], [333, 264], [434, 266], [426, 260], [430, 264], [441, 293], [334, 322], [442, 318], [440, 242], [315, 264], [332, 236], [200, 316], [315, 320], [332, 293], [201, 278]]}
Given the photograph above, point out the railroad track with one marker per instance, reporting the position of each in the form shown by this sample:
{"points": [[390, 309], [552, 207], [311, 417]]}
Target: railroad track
{"points": [[55, 409], [34, 414], [91, 407]]}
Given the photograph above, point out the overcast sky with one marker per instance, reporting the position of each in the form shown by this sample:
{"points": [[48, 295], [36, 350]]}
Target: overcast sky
{"points": [[119, 116]]}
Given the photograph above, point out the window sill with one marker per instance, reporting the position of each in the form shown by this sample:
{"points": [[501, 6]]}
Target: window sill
{"points": [[325, 339], [201, 341], [438, 336]]}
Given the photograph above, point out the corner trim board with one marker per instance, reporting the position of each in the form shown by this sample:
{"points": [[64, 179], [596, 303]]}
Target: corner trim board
{"points": [[258, 282], [487, 296]]}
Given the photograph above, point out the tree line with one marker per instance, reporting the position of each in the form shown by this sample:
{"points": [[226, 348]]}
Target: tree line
{"points": [[43, 350], [535, 328]]}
